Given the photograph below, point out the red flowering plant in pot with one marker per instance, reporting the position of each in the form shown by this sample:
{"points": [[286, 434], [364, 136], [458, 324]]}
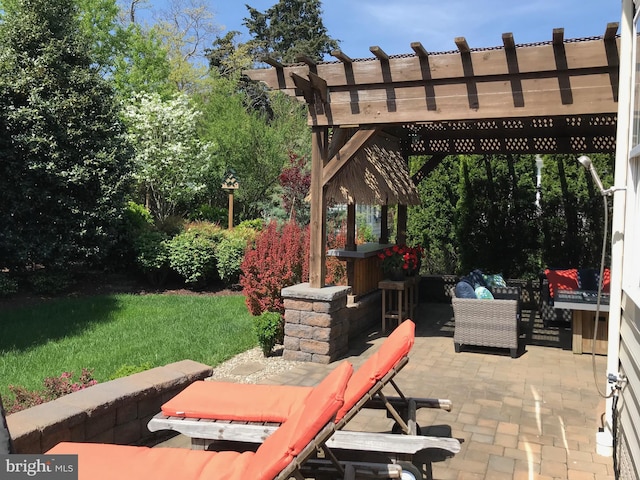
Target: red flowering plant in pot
{"points": [[399, 261]]}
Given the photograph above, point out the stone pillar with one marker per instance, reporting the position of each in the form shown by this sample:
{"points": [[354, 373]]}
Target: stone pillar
{"points": [[316, 328]]}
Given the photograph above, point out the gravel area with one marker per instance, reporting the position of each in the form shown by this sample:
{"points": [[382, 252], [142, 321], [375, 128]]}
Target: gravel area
{"points": [[252, 366]]}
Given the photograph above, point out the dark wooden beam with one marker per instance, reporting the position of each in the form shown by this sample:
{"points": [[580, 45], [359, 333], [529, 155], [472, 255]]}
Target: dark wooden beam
{"points": [[319, 84], [558, 36], [379, 53], [384, 224], [340, 55], [273, 62], [507, 41], [304, 86], [419, 50], [612, 29], [427, 168], [307, 60], [463, 46]]}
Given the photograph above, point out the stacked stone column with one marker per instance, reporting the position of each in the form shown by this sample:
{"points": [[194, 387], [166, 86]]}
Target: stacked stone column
{"points": [[316, 327]]}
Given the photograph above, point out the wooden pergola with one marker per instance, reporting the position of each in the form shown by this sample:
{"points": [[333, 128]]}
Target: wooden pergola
{"points": [[558, 96]]}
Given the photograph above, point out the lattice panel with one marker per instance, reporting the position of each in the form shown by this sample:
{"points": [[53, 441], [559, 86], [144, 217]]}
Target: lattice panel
{"points": [[513, 124], [465, 145], [517, 144], [418, 144], [574, 121], [459, 126], [439, 145], [604, 143], [545, 144], [490, 144], [602, 120], [487, 125], [434, 127], [542, 123], [579, 144]]}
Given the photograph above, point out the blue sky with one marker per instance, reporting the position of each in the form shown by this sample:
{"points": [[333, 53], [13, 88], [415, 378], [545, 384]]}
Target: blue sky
{"points": [[394, 24]]}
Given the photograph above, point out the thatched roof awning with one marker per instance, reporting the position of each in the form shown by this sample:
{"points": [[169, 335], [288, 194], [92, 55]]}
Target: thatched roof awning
{"points": [[377, 175]]}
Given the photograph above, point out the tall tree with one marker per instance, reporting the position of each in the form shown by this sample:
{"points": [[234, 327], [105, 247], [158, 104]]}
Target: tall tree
{"points": [[288, 29], [171, 163], [186, 28], [64, 160]]}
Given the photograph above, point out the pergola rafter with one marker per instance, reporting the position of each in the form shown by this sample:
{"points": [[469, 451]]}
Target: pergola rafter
{"points": [[558, 96]]}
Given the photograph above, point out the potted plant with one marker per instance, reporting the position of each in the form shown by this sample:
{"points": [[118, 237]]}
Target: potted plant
{"points": [[400, 261]]}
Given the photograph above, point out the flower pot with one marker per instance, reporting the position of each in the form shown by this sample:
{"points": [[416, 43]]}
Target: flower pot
{"points": [[397, 274]]}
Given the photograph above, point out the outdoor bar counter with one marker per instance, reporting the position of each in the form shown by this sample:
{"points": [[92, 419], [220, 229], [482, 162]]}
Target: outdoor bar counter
{"points": [[363, 267]]}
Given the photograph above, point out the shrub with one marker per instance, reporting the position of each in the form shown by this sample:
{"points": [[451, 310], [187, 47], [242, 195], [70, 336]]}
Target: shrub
{"points": [[8, 286], [229, 256], [54, 387], [209, 213], [269, 328], [137, 217], [256, 225], [279, 259], [49, 281], [231, 250], [152, 256], [192, 253]]}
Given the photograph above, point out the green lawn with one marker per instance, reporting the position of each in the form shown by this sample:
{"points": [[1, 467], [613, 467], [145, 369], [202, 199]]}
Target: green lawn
{"points": [[107, 332]]}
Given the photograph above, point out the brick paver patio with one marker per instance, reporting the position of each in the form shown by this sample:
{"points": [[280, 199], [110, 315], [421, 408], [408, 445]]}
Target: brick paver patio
{"points": [[530, 418]]}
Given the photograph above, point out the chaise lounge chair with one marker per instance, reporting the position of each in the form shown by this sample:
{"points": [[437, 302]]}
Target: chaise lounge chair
{"points": [[281, 456], [206, 411]]}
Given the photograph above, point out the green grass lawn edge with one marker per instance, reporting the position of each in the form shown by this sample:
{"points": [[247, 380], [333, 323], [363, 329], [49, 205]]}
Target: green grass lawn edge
{"points": [[119, 332]]}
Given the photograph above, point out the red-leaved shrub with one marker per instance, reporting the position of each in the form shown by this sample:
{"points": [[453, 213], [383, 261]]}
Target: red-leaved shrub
{"points": [[54, 387], [279, 259]]}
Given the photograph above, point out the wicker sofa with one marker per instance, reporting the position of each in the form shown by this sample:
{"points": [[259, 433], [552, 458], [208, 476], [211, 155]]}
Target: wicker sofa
{"points": [[488, 323]]}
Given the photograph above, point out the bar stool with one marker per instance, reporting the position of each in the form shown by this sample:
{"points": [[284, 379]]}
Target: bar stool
{"points": [[398, 300]]}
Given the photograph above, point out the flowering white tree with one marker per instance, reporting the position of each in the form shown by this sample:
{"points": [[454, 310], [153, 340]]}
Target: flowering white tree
{"points": [[171, 163]]}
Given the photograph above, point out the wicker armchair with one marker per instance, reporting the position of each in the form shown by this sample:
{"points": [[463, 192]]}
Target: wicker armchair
{"points": [[488, 323]]}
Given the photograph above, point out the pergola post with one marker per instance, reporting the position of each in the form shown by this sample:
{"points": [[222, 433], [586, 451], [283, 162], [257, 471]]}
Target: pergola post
{"points": [[401, 234], [318, 242], [384, 224], [351, 227]]}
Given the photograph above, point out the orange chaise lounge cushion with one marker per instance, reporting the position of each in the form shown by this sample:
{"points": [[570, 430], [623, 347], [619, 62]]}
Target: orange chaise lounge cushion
{"points": [[118, 462], [275, 403]]}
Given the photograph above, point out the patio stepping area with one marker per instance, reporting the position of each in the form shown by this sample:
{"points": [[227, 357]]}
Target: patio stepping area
{"points": [[534, 417]]}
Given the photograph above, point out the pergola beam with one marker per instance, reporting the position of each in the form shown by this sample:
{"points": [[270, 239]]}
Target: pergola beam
{"points": [[523, 83]]}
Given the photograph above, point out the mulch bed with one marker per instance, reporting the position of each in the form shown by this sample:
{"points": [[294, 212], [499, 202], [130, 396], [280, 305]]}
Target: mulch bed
{"points": [[100, 283]]}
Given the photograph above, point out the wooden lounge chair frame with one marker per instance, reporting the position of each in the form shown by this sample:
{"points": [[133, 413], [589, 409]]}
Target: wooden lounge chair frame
{"points": [[401, 408], [293, 468]]}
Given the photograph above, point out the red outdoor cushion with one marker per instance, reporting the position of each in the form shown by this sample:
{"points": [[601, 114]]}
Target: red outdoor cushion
{"points": [[275, 403], [119, 462], [98, 461], [562, 280], [237, 401], [393, 349], [299, 430], [606, 282]]}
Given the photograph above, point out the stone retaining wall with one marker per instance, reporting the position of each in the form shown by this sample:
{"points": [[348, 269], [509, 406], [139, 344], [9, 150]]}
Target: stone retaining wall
{"points": [[112, 412]]}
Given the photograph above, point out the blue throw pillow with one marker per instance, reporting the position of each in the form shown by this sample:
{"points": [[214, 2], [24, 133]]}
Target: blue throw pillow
{"points": [[477, 279], [483, 293], [494, 280], [464, 290]]}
